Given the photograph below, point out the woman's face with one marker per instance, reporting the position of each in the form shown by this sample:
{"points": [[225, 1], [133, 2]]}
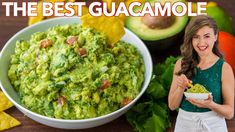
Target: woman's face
{"points": [[203, 41]]}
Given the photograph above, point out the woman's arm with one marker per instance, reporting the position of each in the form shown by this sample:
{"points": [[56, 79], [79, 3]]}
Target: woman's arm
{"points": [[178, 85], [227, 108]]}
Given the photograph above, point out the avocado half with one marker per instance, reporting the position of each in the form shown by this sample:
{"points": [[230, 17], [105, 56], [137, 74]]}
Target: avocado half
{"points": [[160, 36]]}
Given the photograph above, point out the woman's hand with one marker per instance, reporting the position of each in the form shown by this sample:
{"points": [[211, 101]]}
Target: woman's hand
{"points": [[183, 81], [202, 103]]}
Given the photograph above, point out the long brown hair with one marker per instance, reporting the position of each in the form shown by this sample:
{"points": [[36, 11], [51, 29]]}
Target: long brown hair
{"points": [[190, 58]]}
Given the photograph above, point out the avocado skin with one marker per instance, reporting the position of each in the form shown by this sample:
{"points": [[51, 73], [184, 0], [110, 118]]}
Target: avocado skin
{"points": [[164, 44], [223, 20], [158, 43]]}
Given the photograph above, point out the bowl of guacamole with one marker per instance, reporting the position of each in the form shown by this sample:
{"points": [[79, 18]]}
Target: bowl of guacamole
{"points": [[64, 75], [197, 91]]}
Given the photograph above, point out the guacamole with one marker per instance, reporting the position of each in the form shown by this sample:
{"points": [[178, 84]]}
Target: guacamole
{"points": [[70, 72], [197, 88]]}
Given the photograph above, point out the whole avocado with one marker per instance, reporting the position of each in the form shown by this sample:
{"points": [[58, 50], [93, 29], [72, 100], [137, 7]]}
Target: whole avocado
{"points": [[223, 20], [158, 32]]}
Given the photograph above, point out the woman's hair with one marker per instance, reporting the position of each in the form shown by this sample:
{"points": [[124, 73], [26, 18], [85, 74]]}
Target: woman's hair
{"points": [[190, 58]]}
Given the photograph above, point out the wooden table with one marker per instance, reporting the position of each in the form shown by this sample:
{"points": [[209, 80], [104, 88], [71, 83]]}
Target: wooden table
{"points": [[10, 25]]}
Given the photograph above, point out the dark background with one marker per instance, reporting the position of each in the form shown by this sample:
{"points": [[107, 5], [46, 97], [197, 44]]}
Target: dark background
{"points": [[11, 25]]}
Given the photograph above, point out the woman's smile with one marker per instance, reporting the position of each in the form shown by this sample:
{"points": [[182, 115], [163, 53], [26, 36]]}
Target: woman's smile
{"points": [[202, 48]]}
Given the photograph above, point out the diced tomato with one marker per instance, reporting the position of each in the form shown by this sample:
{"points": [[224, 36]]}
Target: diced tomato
{"points": [[71, 40], [105, 84], [126, 101], [61, 100], [45, 43], [82, 52]]}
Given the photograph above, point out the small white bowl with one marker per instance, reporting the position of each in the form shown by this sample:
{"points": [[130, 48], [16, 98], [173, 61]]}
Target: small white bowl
{"points": [[201, 96]]}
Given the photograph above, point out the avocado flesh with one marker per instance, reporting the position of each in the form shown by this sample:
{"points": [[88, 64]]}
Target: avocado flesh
{"points": [[136, 25]]}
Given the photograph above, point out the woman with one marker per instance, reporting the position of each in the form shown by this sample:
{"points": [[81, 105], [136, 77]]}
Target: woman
{"points": [[202, 63]]}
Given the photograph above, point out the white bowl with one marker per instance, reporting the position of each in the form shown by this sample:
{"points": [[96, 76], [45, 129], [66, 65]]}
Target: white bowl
{"points": [[7, 88], [201, 96]]}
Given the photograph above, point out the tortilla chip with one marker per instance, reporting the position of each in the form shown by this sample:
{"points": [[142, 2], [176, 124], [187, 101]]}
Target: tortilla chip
{"points": [[122, 17], [109, 3], [6, 121], [53, 1], [75, 8], [128, 2], [39, 16], [5, 103], [110, 26], [84, 10]]}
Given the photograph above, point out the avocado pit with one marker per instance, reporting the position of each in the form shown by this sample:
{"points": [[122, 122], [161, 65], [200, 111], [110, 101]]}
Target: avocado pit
{"points": [[160, 22]]}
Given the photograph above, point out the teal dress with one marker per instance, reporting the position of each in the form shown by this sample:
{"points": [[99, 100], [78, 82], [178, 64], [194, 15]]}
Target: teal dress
{"points": [[211, 79]]}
